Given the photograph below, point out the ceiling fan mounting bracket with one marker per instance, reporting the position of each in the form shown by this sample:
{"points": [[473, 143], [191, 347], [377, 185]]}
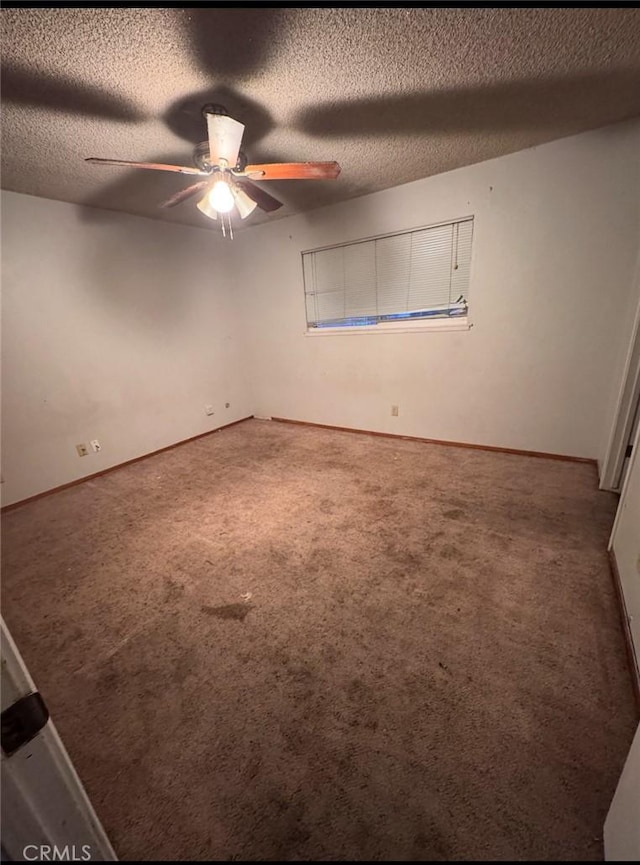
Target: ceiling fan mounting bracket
{"points": [[214, 108]]}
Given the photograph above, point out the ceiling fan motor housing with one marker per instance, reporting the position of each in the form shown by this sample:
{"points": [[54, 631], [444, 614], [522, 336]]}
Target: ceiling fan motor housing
{"points": [[201, 158]]}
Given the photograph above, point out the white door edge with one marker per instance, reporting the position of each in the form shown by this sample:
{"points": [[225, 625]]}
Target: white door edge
{"points": [[44, 804]]}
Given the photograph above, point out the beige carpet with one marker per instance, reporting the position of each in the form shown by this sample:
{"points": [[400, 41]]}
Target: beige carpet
{"points": [[281, 642]]}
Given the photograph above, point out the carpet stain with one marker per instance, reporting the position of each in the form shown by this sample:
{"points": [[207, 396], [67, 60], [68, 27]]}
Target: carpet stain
{"points": [[449, 551], [453, 514], [172, 589], [228, 612]]}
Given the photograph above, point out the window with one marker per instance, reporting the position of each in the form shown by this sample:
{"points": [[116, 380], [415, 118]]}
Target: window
{"points": [[394, 281]]}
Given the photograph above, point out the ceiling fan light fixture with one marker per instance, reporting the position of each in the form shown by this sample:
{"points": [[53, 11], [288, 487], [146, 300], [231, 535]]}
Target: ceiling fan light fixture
{"points": [[245, 205], [220, 196], [204, 206], [229, 177]]}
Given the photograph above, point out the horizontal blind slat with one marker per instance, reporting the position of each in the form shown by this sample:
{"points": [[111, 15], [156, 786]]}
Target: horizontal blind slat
{"points": [[393, 269], [431, 268], [360, 280], [309, 295]]}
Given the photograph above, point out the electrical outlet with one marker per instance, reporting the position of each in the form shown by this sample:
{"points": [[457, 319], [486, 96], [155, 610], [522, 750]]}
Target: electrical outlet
{"points": [[208, 409], [95, 444], [394, 411], [82, 450]]}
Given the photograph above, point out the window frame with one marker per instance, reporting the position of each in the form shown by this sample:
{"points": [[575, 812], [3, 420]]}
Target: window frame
{"points": [[453, 323]]}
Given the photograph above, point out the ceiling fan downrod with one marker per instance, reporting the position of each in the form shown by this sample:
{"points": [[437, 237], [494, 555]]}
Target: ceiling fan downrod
{"points": [[214, 108]]}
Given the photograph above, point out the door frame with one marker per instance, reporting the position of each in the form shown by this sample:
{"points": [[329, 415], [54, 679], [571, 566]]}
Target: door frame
{"points": [[627, 406]]}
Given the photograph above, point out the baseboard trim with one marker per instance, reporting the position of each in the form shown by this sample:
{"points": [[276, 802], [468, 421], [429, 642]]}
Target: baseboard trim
{"points": [[119, 466], [540, 454], [634, 669]]}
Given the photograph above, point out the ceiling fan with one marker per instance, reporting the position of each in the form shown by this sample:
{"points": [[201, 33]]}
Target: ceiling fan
{"points": [[228, 181]]}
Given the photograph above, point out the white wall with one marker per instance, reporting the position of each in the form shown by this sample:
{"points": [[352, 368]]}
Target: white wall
{"points": [[115, 328], [122, 329], [555, 244]]}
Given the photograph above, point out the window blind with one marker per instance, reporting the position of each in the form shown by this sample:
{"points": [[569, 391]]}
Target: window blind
{"points": [[415, 274]]}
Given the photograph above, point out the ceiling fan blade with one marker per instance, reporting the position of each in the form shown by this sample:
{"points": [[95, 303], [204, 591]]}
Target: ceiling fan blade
{"points": [[263, 199], [225, 137], [156, 166], [294, 171], [184, 194]]}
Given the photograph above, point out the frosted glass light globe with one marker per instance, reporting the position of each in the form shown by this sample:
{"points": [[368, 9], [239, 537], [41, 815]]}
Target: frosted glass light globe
{"points": [[220, 197]]}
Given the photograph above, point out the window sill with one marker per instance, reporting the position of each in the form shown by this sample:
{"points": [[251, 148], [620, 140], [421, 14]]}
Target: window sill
{"points": [[394, 327]]}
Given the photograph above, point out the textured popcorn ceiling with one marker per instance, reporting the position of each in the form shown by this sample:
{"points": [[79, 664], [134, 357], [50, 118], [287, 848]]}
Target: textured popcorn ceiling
{"points": [[393, 94]]}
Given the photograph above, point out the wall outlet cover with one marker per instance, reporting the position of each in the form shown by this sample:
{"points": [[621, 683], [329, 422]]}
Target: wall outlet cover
{"points": [[82, 450], [95, 444], [394, 411], [208, 409]]}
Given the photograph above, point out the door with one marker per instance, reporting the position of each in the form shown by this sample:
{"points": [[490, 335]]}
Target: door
{"points": [[625, 544], [622, 826], [46, 814], [629, 448]]}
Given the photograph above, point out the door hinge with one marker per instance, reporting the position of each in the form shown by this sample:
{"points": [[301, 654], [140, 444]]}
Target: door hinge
{"points": [[22, 721], [628, 451]]}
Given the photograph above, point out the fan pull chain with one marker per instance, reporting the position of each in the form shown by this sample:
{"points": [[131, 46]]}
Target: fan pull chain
{"points": [[229, 225]]}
